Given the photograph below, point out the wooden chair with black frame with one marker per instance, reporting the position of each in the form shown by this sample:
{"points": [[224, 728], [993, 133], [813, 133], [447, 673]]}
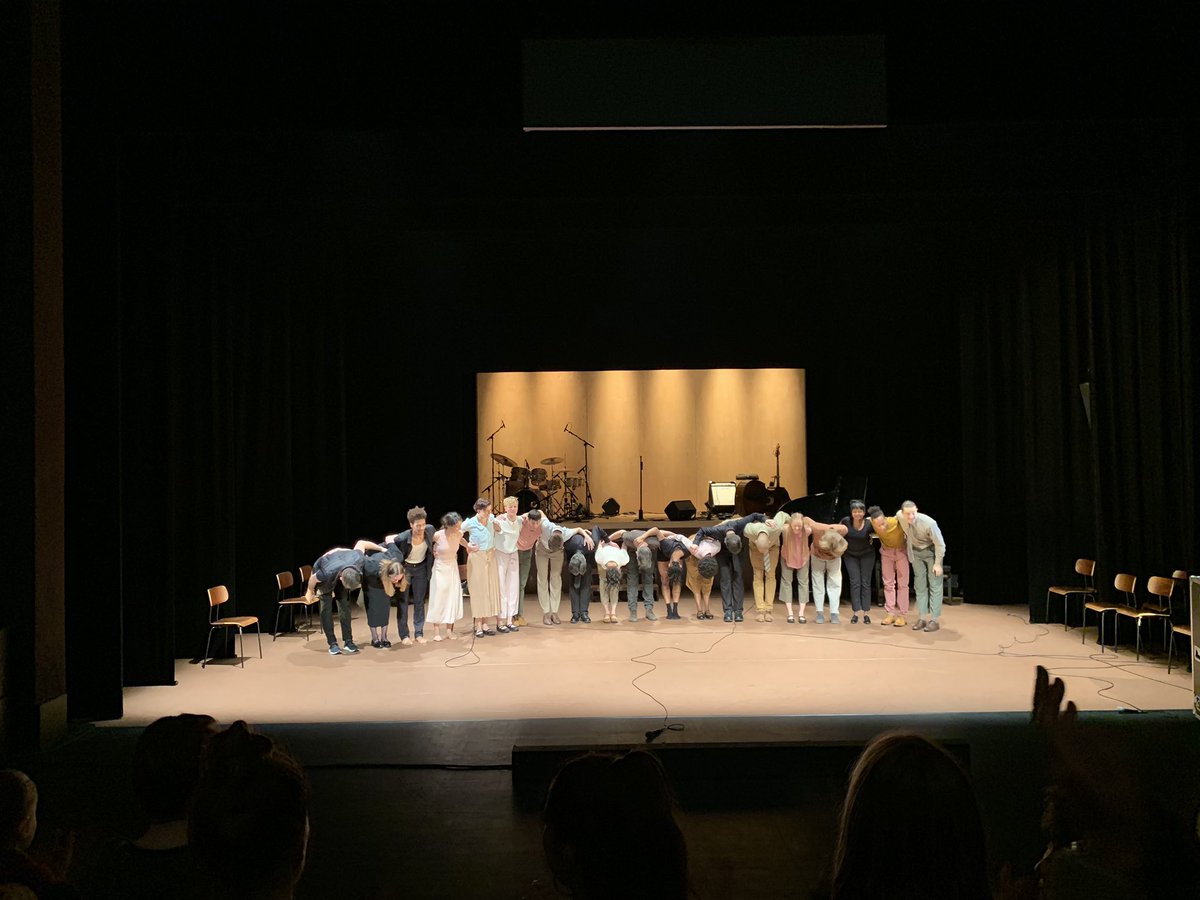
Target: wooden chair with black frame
{"points": [[284, 582], [1084, 567], [1181, 628], [1156, 606], [216, 597], [1125, 584]]}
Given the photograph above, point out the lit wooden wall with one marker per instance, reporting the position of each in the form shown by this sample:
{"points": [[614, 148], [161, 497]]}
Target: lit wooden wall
{"points": [[691, 426]]}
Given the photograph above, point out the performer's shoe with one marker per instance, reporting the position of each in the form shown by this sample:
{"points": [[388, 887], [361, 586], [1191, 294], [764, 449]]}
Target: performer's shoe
{"points": [[737, 616], [854, 619], [728, 616], [866, 619], [889, 619], [555, 619], [547, 620], [632, 613], [650, 616], [919, 626], [767, 616], [513, 626], [350, 647], [760, 618], [791, 619], [802, 620], [900, 622], [833, 619], [820, 618], [932, 625], [334, 649], [574, 618], [585, 619], [519, 619], [503, 629]]}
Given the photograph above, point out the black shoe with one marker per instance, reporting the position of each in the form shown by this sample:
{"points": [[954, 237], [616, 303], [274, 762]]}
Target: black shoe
{"points": [[377, 644], [737, 616], [866, 619], [728, 616], [574, 618], [854, 619], [585, 619]]}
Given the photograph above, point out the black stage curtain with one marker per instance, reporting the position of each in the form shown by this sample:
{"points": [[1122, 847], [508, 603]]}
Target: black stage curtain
{"points": [[1098, 300]]}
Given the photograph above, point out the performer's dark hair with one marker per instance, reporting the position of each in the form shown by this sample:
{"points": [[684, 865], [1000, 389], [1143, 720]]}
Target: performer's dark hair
{"points": [[857, 504], [482, 503], [675, 573], [733, 542], [450, 519], [417, 512], [612, 576], [708, 567], [874, 512], [535, 515], [908, 503], [645, 558], [555, 542], [351, 578]]}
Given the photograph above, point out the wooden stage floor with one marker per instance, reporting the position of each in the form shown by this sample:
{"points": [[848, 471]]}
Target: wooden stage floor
{"points": [[982, 661]]}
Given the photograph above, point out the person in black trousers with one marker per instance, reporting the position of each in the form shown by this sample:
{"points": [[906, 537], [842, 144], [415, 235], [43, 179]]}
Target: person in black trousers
{"points": [[415, 550], [338, 572], [733, 588], [578, 550]]}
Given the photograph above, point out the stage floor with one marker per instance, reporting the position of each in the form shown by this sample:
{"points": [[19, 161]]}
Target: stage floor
{"points": [[981, 661]]}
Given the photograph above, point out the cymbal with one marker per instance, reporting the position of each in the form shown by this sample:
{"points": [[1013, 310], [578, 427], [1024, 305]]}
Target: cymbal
{"points": [[503, 460], [552, 460]]}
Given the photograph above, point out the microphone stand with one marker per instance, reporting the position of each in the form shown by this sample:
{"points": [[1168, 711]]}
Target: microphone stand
{"points": [[586, 512], [491, 438], [641, 468]]}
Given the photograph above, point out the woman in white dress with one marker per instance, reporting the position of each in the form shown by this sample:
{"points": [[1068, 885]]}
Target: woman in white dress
{"points": [[445, 586]]}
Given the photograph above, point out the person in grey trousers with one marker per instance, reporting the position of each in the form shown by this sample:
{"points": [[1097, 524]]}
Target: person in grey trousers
{"points": [[926, 549]]}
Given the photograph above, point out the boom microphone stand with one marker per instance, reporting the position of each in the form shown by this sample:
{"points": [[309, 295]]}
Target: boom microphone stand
{"points": [[641, 468], [586, 512], [491, 438]]}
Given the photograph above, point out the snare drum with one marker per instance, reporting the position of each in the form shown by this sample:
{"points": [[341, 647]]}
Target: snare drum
{"points": [[537, 476], [552, 486], [573, 481]]}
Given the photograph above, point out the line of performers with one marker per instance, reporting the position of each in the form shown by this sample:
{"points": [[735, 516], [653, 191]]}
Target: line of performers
{"points": [[419, 569]]}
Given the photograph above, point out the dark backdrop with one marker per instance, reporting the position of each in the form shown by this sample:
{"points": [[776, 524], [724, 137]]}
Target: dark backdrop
{"points": [[292, 241]]}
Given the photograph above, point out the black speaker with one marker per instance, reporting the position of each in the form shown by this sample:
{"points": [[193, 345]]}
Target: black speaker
{"points": [[681, 510], [611, 507]]}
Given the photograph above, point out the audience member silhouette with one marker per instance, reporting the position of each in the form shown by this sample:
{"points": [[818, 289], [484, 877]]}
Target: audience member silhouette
{"points": [[18, 826], [903, 789], [248, 823], [598, 798], [159, 864]]}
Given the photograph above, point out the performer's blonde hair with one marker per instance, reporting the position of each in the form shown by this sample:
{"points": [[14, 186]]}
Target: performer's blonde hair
{"points": [[509, 501], [389, 569]]}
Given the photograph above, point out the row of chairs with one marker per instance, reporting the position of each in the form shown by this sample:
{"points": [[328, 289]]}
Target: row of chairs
{"points": [[1157, 605], [218, 596]]}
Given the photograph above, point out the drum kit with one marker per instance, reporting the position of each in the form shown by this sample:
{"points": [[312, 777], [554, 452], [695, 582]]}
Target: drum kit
{"points": [[549, 489]]}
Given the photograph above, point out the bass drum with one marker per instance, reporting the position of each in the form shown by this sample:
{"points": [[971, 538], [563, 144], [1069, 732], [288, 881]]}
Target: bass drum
{"points": [[514, 486], [528, 499]]}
